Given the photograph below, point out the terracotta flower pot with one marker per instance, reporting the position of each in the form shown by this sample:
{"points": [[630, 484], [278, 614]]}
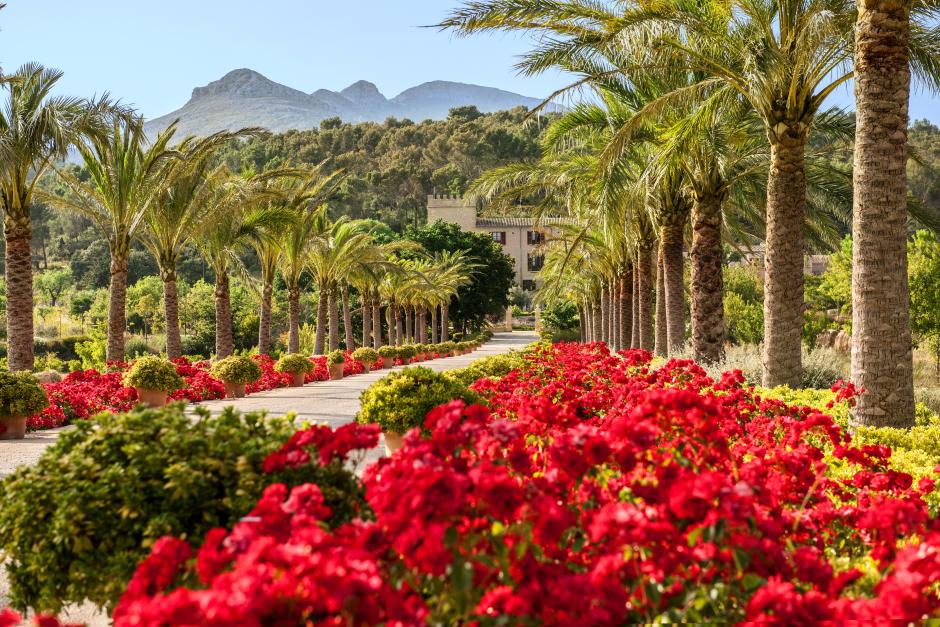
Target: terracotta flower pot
{"points": [[393, 441], [366, 368], [417, 359], [14, 427], [388, 362], [336, 372], [234, 390], [298, 381], [151, 398]]}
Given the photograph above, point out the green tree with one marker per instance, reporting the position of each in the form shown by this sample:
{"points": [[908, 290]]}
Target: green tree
{"points": [[487, 292], [127, 174], [924, 273], [53, 284]]}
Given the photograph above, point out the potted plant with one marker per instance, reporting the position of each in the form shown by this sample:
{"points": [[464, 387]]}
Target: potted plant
{"points": [[366, 356], [407, 353], [388, 355], [154, 378], [335, 361], [21, 396], [446, 349], [400, 401], [295, 365], [236, 372]]}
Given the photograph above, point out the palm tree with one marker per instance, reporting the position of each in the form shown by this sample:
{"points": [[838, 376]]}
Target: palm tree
{"points": [[126, 175], [305, 197], [178, 213], [333, 259], [36, 129], [882, 359], [238, 223]]}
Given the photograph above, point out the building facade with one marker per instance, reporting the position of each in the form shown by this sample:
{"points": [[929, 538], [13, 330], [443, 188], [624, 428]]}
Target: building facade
{"points": [[519, 237]]}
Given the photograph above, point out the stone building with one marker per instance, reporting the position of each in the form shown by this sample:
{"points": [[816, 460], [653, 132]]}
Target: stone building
{"points": [[519, 237]]}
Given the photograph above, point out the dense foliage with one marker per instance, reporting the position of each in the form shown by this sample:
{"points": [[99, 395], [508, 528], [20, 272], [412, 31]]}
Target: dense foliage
{"points": [[154, 373], [294, 364], [20, 394], [108, 489], [400, 400], [236, 369]]}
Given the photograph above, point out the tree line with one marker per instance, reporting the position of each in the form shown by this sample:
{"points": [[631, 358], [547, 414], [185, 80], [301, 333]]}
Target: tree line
{"points": [[709, 119], [171, 195]]}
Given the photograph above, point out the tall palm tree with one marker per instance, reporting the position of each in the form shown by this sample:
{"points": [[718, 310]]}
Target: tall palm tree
{"points": [[126, 175], [241, 218], [305, 197], [882, 359], [333, 259], [36, 129], [178, 213]]}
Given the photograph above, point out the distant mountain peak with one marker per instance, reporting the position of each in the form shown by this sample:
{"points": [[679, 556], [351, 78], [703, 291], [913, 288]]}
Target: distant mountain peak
{"points": [[364, 92], [246, 83], [244, 97]]}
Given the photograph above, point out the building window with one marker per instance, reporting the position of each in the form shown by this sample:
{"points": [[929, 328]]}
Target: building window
{"points": [[535, 238], [499, 237], [536, 262], [528, 285]]}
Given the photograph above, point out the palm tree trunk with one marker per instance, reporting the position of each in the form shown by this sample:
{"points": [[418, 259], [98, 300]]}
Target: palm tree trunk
{"points": [[647, 281], [376, 321], [117, 304], [409, 326], [435, 337], [582, 336], [661, 342], [18, 235], [605, 314], [708, 313], [347, 320], [671, 244], [171, 314], [588, 321], [333, 309], [320, 338], [612, 308], [224, 343], [396, 316], [783, 274], [445, 322], [597, 322], [293, 314], [264, 319], [366, 319], [882, 359], [615, 314], [635, 327], [626, 307]]}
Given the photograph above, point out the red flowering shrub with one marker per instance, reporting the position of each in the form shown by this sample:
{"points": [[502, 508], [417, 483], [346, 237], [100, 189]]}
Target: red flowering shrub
{"points": [[596, 491]]}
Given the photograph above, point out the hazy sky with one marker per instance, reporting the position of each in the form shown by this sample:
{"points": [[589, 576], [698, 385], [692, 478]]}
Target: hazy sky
{"points": [[152, 54]]}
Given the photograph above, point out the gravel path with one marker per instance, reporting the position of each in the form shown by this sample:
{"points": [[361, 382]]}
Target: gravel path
{"points": [[331, 402]]}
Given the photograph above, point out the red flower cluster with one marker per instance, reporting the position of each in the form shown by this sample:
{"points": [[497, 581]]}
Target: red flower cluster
{"points": [[83, 394], [597, 490]]}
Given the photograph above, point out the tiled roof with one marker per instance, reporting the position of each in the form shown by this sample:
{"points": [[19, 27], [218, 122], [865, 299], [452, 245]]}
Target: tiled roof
{"points": [[500, 222]]}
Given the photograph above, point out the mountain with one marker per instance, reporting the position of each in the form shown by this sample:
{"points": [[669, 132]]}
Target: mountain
{"points": [[246, 98]]}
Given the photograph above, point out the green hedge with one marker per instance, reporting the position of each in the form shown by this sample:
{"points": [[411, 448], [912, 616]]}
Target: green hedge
{"points": [[75, 525]]}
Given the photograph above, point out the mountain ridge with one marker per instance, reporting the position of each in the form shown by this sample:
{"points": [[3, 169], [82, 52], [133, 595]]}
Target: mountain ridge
{"points": [[244, 97]]}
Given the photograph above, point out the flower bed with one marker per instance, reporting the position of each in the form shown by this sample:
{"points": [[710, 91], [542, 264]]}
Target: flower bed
{"points": [[596, 490], [83, 394]]}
